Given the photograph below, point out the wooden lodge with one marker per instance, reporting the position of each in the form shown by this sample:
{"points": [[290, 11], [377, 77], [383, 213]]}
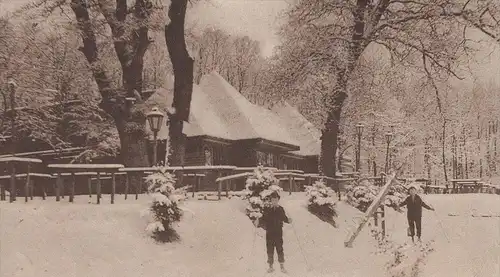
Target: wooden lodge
{"points": [[225, 128]]}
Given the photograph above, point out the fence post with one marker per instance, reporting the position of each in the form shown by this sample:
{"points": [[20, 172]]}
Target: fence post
{"points": [[2, 191], [32, 188], [113, 187], [220, 186], [12, 182], [99, 187], [27, 185], [127, 185], [195, 183], [89, 185], [73, 183], [58, 186]]}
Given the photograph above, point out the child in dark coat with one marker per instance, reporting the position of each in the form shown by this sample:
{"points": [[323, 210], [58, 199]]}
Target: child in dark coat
{"points": [[414, 205], [272, 221]]}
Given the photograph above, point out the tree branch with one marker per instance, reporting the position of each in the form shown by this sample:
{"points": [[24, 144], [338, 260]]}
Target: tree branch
{"points": [[89, 48]]}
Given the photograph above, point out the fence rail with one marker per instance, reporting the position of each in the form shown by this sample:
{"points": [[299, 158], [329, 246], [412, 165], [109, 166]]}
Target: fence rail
{"points": [[68, 179]]}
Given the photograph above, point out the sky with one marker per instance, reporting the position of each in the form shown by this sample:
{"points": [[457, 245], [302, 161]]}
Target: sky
{"points": [[258, 19], [261, 20]]}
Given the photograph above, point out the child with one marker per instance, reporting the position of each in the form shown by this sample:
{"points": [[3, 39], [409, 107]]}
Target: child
{"points": [[414, 205], [272, 220]]}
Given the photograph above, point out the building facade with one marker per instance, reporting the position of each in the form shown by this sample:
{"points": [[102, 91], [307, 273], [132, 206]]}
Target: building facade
{"points": [[225, 128]]}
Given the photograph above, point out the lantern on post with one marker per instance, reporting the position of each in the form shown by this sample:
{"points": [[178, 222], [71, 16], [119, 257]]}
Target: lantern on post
{"points": [[155, 120], [12, 86], [388, 137], [359, 132]]}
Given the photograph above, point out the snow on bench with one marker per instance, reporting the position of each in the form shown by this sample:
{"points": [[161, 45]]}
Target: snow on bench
{"points": [[85, 169], [19, 159], [12, 161], [30, 190]]}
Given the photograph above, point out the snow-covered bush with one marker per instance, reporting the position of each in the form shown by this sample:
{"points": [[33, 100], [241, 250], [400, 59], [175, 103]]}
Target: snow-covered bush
{"points": [[259, 187], [362, 195], [164, 207], [322, 201]]}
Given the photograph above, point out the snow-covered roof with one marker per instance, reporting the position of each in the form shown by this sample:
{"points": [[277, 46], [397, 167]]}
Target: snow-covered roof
{"points": [[308, 136], [219, 110]]}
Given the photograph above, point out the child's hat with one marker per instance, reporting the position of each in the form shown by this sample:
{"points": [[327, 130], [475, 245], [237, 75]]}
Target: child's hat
{"points": [[412, 186]]}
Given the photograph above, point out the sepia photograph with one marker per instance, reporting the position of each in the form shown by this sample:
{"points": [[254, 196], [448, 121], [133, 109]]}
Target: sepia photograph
{"points": [[249, 138]]}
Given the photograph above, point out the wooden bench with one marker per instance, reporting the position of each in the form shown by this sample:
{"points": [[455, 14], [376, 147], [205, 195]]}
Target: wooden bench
{"points": [[469, 185], [195, 171], [85, 169], [12, 162], [292, 176], [30, 183], [90, 176], [433, 189]]}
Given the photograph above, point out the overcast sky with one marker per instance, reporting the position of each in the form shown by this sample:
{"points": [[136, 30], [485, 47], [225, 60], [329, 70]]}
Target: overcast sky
{"points": [[260, 20]]}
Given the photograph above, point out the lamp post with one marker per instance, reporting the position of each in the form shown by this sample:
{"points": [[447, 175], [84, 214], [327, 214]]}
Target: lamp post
{"points": [[359, 131], [12, 86], [155, 119], [388, 137]]}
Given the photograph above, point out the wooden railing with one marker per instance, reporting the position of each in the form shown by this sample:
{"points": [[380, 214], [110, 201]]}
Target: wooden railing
{"points": [[225, 178], [85, 170]]}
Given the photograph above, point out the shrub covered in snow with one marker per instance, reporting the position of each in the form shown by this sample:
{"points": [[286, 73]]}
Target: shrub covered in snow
{"points": [[362, 195], [322, 201], [258, 189], [164, 208]]}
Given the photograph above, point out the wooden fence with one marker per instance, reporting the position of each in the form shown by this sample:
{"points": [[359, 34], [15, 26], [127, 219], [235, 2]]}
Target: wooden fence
{"points": [[93, 179], [66, 179]]}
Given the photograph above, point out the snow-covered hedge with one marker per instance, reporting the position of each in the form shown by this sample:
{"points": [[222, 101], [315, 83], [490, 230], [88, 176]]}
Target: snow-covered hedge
{"points": [[322, 201], [164, 208], [259, 186], [362, 195]]}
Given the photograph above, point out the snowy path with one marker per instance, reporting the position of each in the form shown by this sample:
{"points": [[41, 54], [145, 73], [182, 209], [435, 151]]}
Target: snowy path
{"points": [[50, 239], [474, 246]]}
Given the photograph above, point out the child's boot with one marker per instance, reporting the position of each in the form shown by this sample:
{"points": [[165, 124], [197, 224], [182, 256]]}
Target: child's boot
{"points": [[270, 269], [282, 266]]}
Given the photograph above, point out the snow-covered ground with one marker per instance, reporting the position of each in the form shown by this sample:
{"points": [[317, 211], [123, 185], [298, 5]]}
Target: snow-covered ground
{"points": [[47, 238], [466, 232]]}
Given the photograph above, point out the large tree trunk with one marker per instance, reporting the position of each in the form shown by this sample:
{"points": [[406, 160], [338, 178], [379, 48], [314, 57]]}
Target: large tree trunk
{"points": [[129, 118], [330, 132], [132, 142], [183, 66], [177, 142]]}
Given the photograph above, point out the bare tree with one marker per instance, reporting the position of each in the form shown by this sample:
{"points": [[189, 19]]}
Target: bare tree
{"points": [[334, 36], [213, 50], [128, 34], [183, 66]]}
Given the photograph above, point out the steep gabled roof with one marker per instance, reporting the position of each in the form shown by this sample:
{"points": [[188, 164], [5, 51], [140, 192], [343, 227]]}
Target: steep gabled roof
{"points": [[244, 119], [219, 110], [303, 131]]}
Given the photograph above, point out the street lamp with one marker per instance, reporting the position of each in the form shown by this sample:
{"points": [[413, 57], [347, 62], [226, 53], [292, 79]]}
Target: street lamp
{"points": [[359, 131], [388, 137], [12, 86], [155, 119]]}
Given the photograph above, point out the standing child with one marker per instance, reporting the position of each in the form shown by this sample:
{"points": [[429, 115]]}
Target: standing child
{"points": [[272, 220], [414, 205]]}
